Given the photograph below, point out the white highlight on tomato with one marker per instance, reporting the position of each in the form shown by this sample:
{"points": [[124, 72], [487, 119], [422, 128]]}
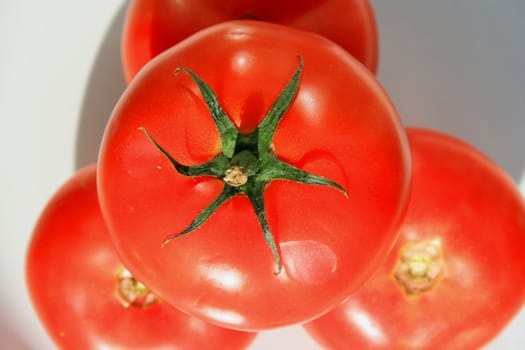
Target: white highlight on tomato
{"points": [[366, 323], [225, 316], [241, 62], [223, 276], [308, 262]]}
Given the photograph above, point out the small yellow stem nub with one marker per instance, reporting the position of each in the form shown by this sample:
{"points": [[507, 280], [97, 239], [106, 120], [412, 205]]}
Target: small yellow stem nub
{"points": [[235, 176], [133, 293], [420, 266]]}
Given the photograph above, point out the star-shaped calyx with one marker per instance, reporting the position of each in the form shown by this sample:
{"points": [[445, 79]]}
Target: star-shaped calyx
{"points": [[247, 162]]}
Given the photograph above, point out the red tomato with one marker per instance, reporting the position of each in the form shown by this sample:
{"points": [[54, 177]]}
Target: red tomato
{"points": [[339, 126], [152, 26], [85, 298], [455, 276]]}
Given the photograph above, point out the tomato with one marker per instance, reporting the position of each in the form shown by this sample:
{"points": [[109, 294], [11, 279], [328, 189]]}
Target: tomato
{"points": [[84, 296], [455, 276], [152, 26], [286, 244]]}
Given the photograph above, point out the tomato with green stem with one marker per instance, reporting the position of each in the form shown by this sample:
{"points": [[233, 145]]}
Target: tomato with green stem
{"points": [[455, 277], [249, 188], [85, 297], [152, 26]]}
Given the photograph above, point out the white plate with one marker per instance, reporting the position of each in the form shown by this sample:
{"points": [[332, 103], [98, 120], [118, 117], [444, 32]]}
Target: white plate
{"points": [[457, 66]]}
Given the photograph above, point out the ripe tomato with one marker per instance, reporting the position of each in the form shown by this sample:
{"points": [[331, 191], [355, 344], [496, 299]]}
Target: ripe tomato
{"points": [[84, 296], [152, 26], [337, 123], [455, 276]]}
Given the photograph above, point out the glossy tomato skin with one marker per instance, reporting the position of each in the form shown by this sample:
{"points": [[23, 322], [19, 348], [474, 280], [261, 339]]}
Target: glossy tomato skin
{"points": [[72, 273], [152, 26], [465, 200], [341, 125]]}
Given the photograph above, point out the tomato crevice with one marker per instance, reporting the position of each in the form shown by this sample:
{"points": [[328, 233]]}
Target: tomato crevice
{"points": [[247, 163]]}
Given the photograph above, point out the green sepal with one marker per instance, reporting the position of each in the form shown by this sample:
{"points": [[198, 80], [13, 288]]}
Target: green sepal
{"points": [[268, 126], [227, 130], [227, 193], [215, 167], [255, 194], [274, 169]]}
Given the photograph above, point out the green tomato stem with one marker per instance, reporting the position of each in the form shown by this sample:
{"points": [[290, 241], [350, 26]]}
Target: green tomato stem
{"points": [[247, 163]]}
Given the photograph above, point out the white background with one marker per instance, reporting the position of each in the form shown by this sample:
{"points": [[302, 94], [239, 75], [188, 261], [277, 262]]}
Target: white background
{"points": [[453, 65]]}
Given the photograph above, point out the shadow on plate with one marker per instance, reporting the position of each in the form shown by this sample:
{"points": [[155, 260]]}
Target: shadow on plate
{"points": [[10, 339], [105, 85]]}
